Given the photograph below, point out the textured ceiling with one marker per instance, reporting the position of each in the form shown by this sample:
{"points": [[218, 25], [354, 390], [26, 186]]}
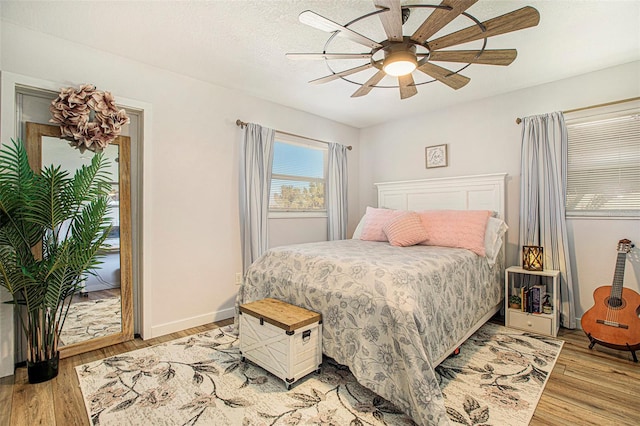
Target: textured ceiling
{"points": [[242, 45]]}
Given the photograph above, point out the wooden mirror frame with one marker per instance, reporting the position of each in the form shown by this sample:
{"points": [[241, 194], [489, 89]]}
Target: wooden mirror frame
{"points": [[34, 134]]}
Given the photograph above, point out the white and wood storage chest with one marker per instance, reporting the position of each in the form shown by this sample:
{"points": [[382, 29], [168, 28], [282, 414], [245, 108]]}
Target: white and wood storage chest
{"points": [[284, 339]]}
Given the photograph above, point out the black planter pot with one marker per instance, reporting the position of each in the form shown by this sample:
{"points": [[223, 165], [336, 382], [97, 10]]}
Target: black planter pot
{"points": [[42, 371]]}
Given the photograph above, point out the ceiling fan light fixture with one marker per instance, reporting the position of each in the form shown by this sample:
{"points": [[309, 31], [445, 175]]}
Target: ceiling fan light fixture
{"points": [[401, 52], [400, 63]]}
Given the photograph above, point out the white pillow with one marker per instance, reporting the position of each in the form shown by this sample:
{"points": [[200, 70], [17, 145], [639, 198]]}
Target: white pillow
{"points": [[493, 238], [358, 231]]}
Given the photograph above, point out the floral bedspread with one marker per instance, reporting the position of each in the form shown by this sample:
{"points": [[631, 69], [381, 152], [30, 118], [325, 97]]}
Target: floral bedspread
{"points": [[387, 311]]}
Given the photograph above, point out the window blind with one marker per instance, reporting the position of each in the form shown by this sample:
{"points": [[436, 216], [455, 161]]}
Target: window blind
{"points": [[603, 165]]}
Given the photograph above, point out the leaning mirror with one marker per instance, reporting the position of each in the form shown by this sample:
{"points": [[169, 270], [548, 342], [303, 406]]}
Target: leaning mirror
{"points": [[101, 313]]}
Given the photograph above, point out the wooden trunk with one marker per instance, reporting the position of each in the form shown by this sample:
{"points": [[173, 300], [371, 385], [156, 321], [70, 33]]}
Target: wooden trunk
{"points": [[284, 339]]}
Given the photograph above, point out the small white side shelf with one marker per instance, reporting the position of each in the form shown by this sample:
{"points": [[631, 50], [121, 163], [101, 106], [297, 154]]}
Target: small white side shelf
{"points": [[540, 323]]}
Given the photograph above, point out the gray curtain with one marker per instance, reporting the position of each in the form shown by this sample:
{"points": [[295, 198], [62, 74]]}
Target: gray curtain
{"points": [[542, 200], [256, 158], [336, 202]]}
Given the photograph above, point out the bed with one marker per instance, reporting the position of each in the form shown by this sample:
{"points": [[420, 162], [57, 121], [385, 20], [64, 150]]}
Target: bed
{"points": [[392, 314]]}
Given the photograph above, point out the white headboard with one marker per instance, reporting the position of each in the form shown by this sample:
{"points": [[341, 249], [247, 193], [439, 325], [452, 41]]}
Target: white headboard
{"points": [[480, 192]]}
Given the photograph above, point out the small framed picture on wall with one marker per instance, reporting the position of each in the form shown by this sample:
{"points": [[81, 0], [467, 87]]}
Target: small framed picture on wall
{"points": [[436, 156]]}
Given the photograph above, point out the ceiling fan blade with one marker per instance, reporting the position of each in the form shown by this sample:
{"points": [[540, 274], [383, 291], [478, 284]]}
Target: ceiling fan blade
{"points": [[366, 87], [341, 74], [407, 86], [512, 21], [439, 18], [391, 19], [455, 81], [316, 56], [488, 57], [320, 22]]}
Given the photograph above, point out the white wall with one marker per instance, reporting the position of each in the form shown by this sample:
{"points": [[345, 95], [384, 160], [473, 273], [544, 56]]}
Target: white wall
{"points": [[191, 238], [299, 230], [483, 137]]}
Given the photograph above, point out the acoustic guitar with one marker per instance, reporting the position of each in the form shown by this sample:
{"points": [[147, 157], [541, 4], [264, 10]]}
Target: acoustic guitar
{"points": [[613, 321]]}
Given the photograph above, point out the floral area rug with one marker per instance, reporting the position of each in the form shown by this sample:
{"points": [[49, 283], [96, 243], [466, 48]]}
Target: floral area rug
{"points": [[200, 380], [498, 377], [91, 319]]}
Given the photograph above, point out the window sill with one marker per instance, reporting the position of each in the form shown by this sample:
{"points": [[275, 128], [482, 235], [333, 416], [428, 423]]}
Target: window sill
{"points": [[297, 215], [602, 217]]}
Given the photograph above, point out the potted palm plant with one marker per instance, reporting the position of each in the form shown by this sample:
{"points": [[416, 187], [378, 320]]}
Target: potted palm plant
{"points": [[52, 226]]}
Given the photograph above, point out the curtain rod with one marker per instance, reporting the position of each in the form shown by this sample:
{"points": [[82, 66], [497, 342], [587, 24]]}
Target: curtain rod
{"points": [[241, 124], [519, 120]]}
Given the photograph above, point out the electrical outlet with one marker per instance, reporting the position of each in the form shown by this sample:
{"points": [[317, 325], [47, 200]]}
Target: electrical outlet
{"points": [[238, 278]]}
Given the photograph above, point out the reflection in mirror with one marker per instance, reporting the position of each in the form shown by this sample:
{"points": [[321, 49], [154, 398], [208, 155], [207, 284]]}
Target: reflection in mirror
{"points": [[96, 310]]}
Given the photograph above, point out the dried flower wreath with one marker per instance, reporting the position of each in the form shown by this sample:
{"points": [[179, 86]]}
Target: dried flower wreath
{"points": [[87, 117]]}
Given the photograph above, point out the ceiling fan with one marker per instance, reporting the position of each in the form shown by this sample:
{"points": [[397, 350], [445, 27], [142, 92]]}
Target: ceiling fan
{"points": [[400, 55]]}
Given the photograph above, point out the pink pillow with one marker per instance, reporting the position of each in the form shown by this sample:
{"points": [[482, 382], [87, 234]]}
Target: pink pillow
{"points": [[405, 230], [375, 219], [456, 228]]}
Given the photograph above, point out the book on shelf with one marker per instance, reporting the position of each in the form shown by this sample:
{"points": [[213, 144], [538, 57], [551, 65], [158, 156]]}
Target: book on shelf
{"points": [[532, 298], [536, 299], [539, 292]]}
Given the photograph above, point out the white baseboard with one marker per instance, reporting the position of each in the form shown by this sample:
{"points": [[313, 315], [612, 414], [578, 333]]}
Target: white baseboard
{"points": [[172, 327], [578, 323]]}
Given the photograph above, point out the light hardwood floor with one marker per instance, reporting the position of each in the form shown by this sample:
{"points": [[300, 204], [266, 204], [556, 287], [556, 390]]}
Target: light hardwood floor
{"points": [[587, 387]]}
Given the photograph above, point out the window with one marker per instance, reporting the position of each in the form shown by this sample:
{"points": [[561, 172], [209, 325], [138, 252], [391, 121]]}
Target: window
{"points": [[603, 162], [298, 175]]}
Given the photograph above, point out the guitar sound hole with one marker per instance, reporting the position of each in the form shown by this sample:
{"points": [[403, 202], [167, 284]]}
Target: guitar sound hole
{"points": [[615, 302]]}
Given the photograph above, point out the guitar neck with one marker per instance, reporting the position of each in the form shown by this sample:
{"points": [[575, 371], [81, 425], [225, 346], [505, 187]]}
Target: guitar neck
{"points": [[618, 276]]}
